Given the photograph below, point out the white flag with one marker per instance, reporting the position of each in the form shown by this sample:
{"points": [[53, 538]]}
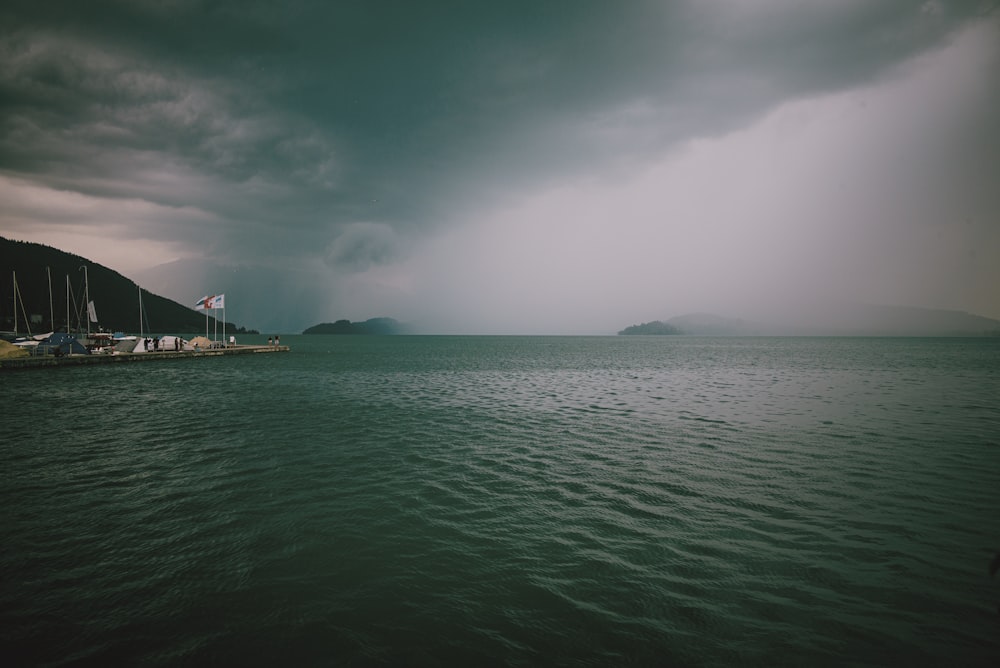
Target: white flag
{"points": [[218, 301], [92, 312], [202, 304]]}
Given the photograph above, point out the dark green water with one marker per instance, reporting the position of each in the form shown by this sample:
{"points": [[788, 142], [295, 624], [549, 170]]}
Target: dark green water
{"points": [[508, 500]]}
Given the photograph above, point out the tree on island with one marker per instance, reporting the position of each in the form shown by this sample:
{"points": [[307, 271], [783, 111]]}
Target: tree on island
{"points": [[655, 327]]}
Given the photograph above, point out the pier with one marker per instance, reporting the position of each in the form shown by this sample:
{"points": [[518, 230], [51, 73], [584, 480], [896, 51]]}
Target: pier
{"points": [[128, 358]]}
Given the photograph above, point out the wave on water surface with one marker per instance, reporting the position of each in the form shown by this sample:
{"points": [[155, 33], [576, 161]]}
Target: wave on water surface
{"points": [[508, 500]]}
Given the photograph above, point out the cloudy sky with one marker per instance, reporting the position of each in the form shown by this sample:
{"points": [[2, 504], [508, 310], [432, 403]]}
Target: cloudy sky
{"points": [[511, 167]]}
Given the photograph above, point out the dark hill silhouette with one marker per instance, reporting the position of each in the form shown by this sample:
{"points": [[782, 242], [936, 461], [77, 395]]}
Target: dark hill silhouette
{"points": [[832, 320], [370, 326], [656, 327], [116, 298]]}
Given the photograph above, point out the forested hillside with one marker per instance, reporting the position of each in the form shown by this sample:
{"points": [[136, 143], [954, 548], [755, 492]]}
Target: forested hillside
{"points": [[115, 297]]}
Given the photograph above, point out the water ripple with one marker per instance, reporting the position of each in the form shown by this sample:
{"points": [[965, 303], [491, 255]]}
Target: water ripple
{"points": [[509, 501]]}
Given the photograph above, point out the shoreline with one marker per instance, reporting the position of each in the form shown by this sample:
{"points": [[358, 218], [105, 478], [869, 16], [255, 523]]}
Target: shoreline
{"points": [[81, 360]]}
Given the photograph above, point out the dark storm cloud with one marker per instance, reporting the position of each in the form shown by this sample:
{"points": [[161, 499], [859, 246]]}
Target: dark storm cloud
{"points": [[358, 246], [298, 114]]}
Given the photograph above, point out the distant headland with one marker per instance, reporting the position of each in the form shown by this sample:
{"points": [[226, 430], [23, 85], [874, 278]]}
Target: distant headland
{"points": [[656, 327], [380, 326], [829, 320]]}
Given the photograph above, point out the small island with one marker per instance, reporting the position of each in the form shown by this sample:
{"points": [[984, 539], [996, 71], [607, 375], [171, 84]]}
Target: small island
{"points": [[379, 326], [657, 327]]}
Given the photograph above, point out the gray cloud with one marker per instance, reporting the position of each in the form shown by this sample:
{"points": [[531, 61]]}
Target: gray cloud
{"points": [[360, 245]]}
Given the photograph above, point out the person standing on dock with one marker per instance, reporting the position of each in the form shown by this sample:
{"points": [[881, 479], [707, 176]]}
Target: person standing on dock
{"points": [[277, 340], [270, 342]]}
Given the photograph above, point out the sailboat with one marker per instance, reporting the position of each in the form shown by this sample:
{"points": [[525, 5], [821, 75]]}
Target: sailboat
{"points": [[28, 342], [131, 343], [52, 343], [144, 344]]}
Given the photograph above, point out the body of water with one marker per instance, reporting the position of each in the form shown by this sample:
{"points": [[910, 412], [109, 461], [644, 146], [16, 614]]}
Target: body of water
{"points": [[508, 501]]}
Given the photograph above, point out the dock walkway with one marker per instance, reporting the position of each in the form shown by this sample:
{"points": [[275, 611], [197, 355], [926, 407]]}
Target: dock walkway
{"points": [[121, 358]]}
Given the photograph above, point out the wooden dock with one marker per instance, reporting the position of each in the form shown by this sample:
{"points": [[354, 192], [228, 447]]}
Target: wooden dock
{"points": [[48, 361]]}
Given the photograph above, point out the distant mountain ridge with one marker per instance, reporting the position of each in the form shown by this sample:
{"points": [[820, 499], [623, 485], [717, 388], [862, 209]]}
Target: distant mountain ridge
{"points": [[370, 326], [115, 297], [837, 320]]}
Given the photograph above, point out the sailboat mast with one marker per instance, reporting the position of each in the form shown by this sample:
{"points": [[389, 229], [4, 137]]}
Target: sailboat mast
{"points": [[17, 297], [52, 313], [140, 311], [86, 297]]}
